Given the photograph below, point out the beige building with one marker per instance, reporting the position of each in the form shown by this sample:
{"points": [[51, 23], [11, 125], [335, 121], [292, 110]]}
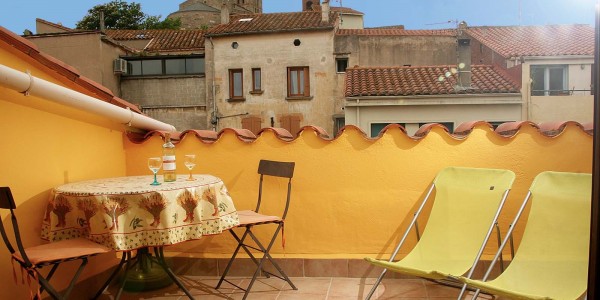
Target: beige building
{"points": [[273, 70], [199, 14], [415, 96], [552, 63]]}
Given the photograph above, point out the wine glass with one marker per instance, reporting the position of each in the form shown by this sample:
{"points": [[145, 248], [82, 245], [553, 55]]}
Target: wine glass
{"points": [[190, 163], [154, 164]]}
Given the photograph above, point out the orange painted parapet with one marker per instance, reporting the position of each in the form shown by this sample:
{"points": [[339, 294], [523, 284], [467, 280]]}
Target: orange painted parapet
{"points": [[352, 193]]}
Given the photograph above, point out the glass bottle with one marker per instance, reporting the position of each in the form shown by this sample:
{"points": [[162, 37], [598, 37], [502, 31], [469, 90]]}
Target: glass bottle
{"points": [[169, 165]]}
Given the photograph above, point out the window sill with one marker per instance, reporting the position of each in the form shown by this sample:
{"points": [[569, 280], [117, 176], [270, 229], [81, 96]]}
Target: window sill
{"points": [[256, 92], [236, 99], [299, 98]]}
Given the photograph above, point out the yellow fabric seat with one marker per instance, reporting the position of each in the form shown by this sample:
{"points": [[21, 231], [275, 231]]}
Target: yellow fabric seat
{"points": [[551, 261], [466, 205]]}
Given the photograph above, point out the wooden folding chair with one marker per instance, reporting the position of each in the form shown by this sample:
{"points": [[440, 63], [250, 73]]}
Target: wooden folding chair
{"points": [[32, 259], [252, 218], [551, 261]]}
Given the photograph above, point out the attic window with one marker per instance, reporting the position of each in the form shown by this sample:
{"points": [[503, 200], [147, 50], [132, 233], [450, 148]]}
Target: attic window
{"points": [[246, 20], [140, 36]]}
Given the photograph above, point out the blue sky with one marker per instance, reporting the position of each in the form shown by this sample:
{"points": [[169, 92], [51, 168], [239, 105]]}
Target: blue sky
{"points": [[17, 15]]}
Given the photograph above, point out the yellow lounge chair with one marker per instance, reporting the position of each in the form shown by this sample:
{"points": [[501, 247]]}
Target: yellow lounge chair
{"points": [[552, 259], [466, 205]]}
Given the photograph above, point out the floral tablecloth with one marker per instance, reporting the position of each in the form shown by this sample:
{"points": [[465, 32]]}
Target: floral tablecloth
{"points": [[126, 213]]}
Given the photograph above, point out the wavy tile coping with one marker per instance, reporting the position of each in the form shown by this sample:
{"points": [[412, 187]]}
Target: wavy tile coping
{"points": [[507, 130]]}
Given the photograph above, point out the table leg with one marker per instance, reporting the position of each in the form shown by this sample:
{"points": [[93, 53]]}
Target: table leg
{"points": [[147, 273]]}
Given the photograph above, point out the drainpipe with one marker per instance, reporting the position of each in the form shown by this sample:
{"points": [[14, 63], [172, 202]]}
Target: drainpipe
{"points": [[357, 113], [214, 120], [30, 85]]}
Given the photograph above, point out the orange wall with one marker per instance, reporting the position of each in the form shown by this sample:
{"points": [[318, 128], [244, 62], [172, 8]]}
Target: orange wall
{"points": [[351, 196], [45, 145]]}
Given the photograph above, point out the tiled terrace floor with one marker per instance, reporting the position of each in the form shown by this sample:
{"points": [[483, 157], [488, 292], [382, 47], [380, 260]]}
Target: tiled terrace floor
{"points": [[309, 288]]}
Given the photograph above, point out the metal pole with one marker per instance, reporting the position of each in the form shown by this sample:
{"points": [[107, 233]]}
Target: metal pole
{"points": [[595, 229]]}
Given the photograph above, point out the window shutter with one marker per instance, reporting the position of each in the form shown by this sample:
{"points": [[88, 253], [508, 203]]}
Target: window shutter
{"points": [[252, 124], [306, 82]]}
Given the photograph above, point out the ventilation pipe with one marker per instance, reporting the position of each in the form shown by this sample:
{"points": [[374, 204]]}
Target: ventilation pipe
{"points": [[464, 57], [325, 11], [30, 85]]}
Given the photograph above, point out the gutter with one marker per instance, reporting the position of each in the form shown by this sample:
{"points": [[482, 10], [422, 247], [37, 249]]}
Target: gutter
{"points": [[29, 85]]}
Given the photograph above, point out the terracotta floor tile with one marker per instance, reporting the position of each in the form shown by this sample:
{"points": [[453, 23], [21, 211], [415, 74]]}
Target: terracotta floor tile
{"points": [[308, 286], [402, 288], [350, 287]]}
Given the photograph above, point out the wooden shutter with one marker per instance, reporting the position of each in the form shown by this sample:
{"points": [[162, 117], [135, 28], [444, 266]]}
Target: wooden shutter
{"points": [[291, 123], [306, 83], [252, 124]]}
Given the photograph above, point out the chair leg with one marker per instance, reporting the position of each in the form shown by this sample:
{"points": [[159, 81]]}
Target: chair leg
{"points": [[48, 277], [160, 257], [377, 282], [112, 276], [237, 249], [267, 255], [74, 280], [45, 284]]}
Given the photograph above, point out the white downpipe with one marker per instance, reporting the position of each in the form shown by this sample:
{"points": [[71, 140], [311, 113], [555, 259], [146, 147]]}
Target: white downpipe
{"points": [[30, 85]]}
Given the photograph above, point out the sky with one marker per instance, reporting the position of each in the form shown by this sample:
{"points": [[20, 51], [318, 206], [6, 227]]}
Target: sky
{"points": [[18, 15]]}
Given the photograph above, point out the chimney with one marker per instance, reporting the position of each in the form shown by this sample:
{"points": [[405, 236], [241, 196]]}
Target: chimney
{"points": [[224, 13], [325, 11], [464, 57]]}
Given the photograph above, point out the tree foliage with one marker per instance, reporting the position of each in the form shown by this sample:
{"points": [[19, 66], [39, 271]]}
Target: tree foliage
{"points": [[119, 14]]}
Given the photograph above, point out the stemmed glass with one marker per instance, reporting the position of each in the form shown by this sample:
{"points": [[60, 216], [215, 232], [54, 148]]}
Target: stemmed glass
{"points": [[190, 163], [154, 164]]}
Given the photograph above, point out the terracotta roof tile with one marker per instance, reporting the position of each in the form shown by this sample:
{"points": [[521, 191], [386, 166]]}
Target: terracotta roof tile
{"points": [[462, 131], [90, 87], [163, 39], [281, 133], [345, 10], [394, 31], [547, 40], [275, 22], [424, 80]]}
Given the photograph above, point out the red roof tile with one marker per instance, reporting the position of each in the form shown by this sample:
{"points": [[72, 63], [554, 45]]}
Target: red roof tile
{"points": [[396, 31], [548, 40], [424, 80], [92, 88], [276, 22], [163, 39], [345, 10]]}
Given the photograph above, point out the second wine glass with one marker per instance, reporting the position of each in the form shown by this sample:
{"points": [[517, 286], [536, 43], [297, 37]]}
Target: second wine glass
{"points": [[190, 163]]}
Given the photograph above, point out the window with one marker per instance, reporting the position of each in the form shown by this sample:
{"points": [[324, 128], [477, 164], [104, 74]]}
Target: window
{"points": [[410, 128], [338, 123], [236, 87], [165, 66], [341, 64], [298, 82], [548, 80], [256, 80]]}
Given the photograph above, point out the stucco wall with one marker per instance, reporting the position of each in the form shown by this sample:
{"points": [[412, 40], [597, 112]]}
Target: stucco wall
{"points": [[273, 53], [455, 111], [374, 51], [87, 53], [179, 101], [351, 196], [46, 145]]}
